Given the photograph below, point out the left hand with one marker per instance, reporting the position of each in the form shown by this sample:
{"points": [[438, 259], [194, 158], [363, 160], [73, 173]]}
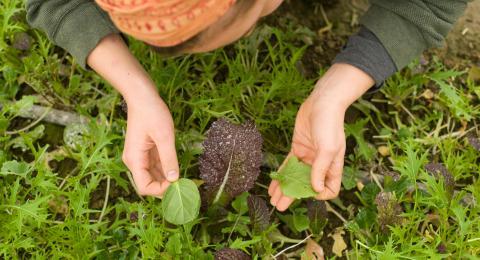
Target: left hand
{"points": [[319, 137]]}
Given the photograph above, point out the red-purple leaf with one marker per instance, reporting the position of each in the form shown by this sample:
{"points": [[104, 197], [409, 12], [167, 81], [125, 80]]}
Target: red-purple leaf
{"points": [[231, 254], [258, 212], [389, 210], [232, 157]]}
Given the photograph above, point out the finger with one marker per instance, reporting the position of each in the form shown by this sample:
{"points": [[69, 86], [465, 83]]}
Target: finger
{"points": [[334, 179], [272, 187], [146, 185], [277, 194], [283, 203], [304, 153], [168, 155], [275, 184], [157, 172], [320, 168]]}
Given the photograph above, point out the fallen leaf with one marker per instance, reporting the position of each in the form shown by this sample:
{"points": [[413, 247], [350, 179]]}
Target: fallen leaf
{"points": [[428, 94], [338, 243], [313, 251], [383, 150], [474, 73], [360, 185]]}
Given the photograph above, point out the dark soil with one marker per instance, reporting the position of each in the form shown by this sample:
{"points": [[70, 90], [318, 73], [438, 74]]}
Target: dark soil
{"points": [[461, 49]]}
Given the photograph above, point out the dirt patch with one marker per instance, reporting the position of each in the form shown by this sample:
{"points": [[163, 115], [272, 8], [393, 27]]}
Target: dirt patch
{"points": [[323, 26], [326, 25], [463, 42]]}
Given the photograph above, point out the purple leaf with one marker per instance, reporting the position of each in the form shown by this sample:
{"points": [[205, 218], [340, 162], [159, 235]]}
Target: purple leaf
{"points": [[389, 210], [231, 254], [474, 141], [438, 171], [317, 214], [231, 158], [258, 212]]}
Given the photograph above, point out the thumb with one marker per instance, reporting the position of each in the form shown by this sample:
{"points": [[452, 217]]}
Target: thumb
{"points": [[168, 156], [320, 167]]}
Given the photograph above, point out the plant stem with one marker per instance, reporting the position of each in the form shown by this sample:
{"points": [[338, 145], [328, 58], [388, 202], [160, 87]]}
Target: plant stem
{"points": [[105, 202], [292, 246]]}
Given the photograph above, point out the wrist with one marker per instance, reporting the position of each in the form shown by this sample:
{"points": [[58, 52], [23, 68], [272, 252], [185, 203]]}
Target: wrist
{"points": [[138, 92], [342, 85]]}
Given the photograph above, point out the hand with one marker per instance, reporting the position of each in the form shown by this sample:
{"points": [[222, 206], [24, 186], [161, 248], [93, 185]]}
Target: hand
{"points": [[149, 150], [319, 137]]}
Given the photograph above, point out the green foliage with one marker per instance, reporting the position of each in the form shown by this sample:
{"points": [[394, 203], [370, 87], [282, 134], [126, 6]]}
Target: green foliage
{"points": [[294, 179], [65, 194], [356, 130], [181, 202]]}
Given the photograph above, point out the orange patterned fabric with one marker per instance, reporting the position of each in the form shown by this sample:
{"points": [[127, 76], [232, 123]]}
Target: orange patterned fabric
{"points": [[164, 22]]}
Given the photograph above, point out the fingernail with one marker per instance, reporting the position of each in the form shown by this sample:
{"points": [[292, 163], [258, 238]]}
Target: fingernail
{"points": [[172, 175], [272, 202]]}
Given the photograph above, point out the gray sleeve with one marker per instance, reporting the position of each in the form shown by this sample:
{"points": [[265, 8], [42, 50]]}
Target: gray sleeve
{"points": [[365, 51], [75, 25]]}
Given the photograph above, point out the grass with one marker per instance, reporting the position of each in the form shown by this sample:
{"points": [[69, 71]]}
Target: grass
{"points": [[63, 197]]}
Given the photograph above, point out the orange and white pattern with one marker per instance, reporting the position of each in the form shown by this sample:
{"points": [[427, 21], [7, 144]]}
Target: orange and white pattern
{"points": [[164, 22]]}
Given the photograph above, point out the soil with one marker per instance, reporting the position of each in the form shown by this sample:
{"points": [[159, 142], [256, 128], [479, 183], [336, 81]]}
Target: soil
{"points": [[461, 48], [463, 42]]}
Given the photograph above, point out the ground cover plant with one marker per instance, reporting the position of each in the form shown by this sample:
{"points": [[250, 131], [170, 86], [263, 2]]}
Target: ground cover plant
{"points": [[410, 187]]}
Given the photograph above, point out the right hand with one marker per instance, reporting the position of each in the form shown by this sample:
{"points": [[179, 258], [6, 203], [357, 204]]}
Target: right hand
{"points": [[149, 150]]}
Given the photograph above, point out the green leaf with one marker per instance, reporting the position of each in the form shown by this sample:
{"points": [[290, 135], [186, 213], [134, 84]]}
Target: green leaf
{"points": [[369, 192], [295, 179], [244, 244], [356, 130], [349, 179], [174, 244], [181, 203], [22, 106], [300, 220], [14, 168], [240, 203]]}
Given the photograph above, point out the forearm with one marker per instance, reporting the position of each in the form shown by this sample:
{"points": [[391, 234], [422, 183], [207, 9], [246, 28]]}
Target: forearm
{"points": [[112, 60], [342, 85]]}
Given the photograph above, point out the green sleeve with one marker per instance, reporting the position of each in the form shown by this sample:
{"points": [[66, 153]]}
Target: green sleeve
{"points": [[407, 27], [75, 25]]}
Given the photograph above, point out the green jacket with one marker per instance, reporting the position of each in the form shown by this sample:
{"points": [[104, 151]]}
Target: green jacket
{"points": [[405, 27]]}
